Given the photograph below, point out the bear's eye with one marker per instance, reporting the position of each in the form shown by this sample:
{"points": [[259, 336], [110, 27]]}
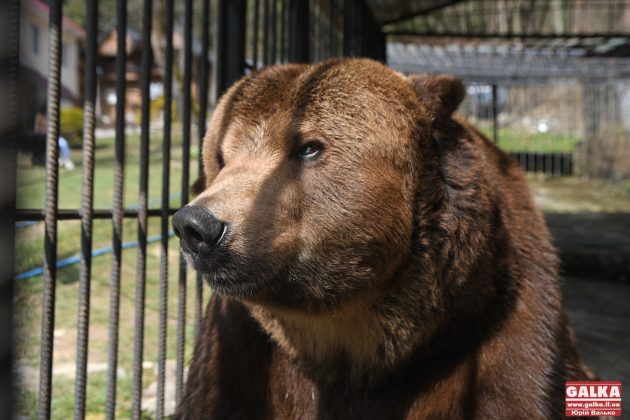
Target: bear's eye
{"points": [[220, 160], [310, 150]]}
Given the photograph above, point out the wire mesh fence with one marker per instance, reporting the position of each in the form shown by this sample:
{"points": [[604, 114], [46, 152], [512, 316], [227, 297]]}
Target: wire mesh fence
{"points": [[564, 127]]}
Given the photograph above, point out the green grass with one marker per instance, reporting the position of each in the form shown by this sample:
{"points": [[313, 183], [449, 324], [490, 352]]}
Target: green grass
{"points": [[513, 140], [29, 251]]}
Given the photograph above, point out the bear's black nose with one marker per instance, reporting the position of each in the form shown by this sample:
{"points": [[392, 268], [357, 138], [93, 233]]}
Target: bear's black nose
{"points": [[198, 229]]}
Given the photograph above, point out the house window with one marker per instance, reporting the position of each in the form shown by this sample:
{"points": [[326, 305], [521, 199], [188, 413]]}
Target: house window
{"points": [[35, 36]]}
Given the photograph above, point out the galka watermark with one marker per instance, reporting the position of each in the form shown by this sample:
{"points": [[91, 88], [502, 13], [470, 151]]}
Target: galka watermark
{"points": [[593, 398]]}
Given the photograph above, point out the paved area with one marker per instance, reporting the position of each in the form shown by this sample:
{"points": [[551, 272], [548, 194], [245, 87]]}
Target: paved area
{"points": [[599, 312]]}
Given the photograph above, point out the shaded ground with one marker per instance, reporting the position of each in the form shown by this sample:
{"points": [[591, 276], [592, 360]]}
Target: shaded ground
{"points": [[596, 245], [600, 316], [590, 222]]}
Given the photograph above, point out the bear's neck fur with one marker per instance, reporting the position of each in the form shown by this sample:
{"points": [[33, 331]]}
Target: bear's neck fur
{"points": [[354, 335]]}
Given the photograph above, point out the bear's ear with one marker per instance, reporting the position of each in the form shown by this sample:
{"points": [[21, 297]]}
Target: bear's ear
{"points": [[441, 94]]}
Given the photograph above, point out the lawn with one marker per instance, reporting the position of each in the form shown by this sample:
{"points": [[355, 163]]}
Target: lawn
{"points": [[28, 292], [514, 140]]}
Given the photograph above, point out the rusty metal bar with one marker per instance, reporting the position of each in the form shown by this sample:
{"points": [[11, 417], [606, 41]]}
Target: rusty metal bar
{"points": [[186, 121], [141, 266], [87, 198], [52, 196], [164, 217]]}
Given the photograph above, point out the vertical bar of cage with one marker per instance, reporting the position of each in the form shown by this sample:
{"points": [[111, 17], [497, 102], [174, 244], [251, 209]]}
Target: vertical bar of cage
{"points": [[117, 209], [314, 35], [348, 27], [299, 22], [230, 42], [495, 116], [283, 27], [181, 310], [165, 204], [332, 26], [201, 131], [342, 28], [141, 267], [266, 33], [50, 218], [557, 153], [85, 273], [8, 161], [520, 104], [255, 34], [274, 32]]}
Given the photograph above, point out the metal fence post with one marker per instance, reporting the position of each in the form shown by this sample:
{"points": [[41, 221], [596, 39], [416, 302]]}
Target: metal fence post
{"points": [[49, 283], [185, 183], [164, 218], [87, 203], [8, 161], [349, 27], [117, 208], [141, 266], [299, 31], [230, 43], [495, 116]]}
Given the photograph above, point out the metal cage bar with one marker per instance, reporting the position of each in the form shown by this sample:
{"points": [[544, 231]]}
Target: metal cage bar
{"points": [[299, 31], [201, 131], [164, 217], [10, 33], [231, 43], [255, 34], [50, 219], [117, 209], [265, 41], [181, 315], [85, 275], [283, 28], [274, 33], [141, 267]]}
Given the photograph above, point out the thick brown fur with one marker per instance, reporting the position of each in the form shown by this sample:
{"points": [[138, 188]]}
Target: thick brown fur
{"points": [[405, 273]]}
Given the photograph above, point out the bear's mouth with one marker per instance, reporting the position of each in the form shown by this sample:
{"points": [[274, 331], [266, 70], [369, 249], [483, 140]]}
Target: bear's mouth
{"points": [[229, 274]]}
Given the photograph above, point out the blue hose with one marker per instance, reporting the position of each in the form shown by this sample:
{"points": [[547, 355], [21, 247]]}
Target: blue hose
{"points": [[75, 259]]}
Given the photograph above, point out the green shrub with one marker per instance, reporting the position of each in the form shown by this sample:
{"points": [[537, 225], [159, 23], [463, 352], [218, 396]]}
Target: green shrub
{"points": [[71, 125]]}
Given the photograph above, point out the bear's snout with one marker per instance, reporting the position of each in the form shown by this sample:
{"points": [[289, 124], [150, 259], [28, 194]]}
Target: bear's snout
{"points": [[199, 231]]}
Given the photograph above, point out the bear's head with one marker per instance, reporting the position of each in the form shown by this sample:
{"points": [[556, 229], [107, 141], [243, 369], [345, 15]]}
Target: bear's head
{"points": [[310, 197]]}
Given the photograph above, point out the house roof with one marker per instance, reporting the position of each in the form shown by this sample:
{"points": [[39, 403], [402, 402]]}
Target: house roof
{"points": [[67, 22]]}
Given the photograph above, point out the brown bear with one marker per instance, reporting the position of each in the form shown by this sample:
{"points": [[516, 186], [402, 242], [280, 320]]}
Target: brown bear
{"points": [[371, 257]]}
